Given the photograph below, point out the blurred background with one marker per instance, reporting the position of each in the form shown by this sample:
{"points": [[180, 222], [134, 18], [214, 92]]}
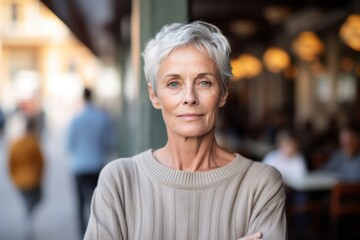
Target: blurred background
{"points": [[296, 64]]}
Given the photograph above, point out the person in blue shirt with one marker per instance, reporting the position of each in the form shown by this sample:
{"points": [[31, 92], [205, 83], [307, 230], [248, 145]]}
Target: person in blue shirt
{"points": [[90, 140], [346, 161]]}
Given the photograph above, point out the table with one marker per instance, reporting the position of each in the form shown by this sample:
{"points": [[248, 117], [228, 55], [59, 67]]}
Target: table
{"points": [[316, 181], [316, 189]]}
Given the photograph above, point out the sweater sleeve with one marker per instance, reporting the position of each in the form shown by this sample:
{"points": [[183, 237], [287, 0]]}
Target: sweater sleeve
{"points": [[268, 212], [107, 216]]}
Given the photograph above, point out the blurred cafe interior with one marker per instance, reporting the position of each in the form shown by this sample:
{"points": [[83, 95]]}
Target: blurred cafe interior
{"points": [[296, 65]]}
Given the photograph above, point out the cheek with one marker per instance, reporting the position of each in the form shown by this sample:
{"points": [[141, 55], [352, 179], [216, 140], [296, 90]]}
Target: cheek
{"points": [[168, 103], [212, 109], [212, 101]]}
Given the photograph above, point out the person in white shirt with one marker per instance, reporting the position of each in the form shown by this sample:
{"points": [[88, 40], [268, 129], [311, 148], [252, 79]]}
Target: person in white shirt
{"points": [[290, 162], [287, 158]]}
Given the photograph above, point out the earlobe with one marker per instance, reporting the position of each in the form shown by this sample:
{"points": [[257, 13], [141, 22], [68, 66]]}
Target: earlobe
{"points": [[153, 98]]}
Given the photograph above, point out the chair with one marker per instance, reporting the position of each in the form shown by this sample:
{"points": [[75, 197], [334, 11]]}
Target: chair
{"points": [[345, 203]]}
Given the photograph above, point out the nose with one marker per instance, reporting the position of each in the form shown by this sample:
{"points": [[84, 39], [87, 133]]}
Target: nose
{"points": [[190, 97]]}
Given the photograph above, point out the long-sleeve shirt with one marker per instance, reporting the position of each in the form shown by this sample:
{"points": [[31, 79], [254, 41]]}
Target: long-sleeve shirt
{"points": [[139, 198], [291, 168], [345, 166], [90, 139]]}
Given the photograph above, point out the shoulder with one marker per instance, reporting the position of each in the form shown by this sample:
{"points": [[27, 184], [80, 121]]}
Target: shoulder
{"points": [[338, 154], [258, 172], [118, 168], [337, 157], [119, 173], [262, 171], [263, 180]]}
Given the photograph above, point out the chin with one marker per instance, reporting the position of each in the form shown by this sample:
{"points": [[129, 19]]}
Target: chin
{"points": [[191, 132]]}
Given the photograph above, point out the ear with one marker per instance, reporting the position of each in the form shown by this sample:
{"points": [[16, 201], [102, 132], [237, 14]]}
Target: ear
{"points": [[153, 98], [224, 96]]}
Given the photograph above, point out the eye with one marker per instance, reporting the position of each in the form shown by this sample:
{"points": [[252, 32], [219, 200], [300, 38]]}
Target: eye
{"points": [[173, 84], [205, 83]]}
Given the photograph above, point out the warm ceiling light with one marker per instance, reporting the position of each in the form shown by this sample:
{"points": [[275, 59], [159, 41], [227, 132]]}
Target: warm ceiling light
{"points": [[276, 59], [350, 31], [307, 46], [243, 28], [276, 14], [246, 66]]}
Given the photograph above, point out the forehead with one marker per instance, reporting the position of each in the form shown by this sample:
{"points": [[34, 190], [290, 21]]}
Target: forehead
{"points": [[188, 56]]}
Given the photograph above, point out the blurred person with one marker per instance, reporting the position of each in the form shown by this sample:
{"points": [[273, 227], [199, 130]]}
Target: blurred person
{"points": [[287, 158], [89, 142], [346, 161], [326, 144], [191, 188], [26, 166]]}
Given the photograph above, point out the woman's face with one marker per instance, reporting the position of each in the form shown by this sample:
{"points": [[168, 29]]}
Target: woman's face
{"points": [[188, 92]]}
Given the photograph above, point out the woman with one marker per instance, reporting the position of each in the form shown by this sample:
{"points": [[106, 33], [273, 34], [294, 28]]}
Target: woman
{"points": [[26, 169], [191, 188]]}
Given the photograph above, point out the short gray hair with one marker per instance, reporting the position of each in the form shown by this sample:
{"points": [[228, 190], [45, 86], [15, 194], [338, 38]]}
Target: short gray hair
{"points": [[200, 34]]}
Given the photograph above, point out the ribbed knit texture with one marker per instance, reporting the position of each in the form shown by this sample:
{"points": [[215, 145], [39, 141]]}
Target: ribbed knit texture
{"points": [[139, 198]]}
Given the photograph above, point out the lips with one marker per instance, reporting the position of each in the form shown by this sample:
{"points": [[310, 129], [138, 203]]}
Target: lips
{"points": [[190, 116]]}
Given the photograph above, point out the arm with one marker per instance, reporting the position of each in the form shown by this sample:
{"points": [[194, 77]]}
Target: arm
{"points": [[104, 220], [255, 236], [107, 217], [268, 212]]}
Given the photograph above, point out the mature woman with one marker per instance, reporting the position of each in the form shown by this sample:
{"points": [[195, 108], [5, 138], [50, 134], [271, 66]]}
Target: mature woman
{"points": [[191, 188]]}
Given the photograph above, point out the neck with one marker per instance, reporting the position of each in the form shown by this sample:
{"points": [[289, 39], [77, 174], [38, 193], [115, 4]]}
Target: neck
{"points": [[197, 154]]}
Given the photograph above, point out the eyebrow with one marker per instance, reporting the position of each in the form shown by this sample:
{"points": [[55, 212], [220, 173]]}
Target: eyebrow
{"points": [[198, 76], [205, 74]]}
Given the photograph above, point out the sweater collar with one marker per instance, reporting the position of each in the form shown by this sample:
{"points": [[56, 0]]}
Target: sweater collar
{"points": [[191, 180]]}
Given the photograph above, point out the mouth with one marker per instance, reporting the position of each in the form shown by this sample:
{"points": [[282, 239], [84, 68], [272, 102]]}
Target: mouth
{"points": [[190, 116]]}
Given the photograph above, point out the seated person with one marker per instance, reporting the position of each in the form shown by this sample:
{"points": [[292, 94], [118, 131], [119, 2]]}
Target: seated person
{"points": [[346, 161], [290, 162], [287, 158]]}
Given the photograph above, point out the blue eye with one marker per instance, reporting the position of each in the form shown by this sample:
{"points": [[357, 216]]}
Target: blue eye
{"points": [[205, 83], [173, 84]]}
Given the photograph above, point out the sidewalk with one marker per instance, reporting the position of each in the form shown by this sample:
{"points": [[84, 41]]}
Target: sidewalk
{"points": [[55, 218]]}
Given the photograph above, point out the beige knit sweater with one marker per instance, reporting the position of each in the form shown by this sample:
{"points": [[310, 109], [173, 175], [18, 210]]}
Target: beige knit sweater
{"points": [[139, 198]]}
